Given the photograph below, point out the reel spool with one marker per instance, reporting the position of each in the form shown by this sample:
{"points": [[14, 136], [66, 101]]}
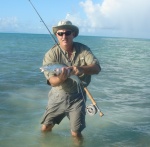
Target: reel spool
{"points": [[91, 110]]}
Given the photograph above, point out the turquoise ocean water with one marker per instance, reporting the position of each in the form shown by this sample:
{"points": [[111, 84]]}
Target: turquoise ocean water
{"points": [[121, 90]]}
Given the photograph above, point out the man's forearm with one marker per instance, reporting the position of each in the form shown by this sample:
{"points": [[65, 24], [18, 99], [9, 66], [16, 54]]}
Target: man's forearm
{"points": [[91, 69], [55, 81]]}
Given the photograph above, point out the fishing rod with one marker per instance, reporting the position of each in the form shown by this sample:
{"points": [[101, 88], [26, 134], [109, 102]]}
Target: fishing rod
{"points": [[91, 110], [53, 38], [43, 22]]}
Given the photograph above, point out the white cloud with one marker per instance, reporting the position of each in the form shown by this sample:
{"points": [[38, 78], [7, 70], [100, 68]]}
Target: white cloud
{"points": [[13, 24], [8, 23], [128, 18]]}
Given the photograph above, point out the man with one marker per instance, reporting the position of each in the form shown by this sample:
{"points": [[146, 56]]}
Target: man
{"points": [[64, 97]]}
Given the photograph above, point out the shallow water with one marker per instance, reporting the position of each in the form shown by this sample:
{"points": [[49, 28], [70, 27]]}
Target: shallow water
{"points": [[121, 91]]}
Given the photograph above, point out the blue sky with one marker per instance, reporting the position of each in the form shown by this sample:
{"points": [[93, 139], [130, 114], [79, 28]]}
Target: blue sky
{"points": [[115, 18]]}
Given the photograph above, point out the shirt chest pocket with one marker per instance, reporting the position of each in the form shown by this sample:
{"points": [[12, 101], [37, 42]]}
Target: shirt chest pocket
{"points": [[80, 61]]}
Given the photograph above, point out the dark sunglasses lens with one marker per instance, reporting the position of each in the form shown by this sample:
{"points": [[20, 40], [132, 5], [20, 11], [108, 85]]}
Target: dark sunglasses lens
{"points": [[66, 33], [60, 33]]}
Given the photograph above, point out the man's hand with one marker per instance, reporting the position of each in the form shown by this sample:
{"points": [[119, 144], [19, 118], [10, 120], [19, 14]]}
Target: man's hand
{"points": [[64, 74], [88, 69], [59, 79], [76, 70]]}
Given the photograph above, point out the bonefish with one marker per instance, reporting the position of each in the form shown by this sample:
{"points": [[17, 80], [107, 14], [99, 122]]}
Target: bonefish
{"points": [[57, 69]]}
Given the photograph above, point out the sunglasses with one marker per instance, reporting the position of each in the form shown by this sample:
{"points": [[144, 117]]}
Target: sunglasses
{"points": [[67, 33]]}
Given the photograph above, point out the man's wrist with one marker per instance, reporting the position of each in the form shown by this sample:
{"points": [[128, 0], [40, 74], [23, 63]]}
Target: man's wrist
{"points": [[81, 72]]}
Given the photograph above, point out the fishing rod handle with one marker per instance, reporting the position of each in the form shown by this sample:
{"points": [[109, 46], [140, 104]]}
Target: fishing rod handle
{"points": [[90, 96]]}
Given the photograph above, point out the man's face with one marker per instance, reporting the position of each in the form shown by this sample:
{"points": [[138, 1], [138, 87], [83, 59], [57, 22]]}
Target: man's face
{"points": [[65, 37]]}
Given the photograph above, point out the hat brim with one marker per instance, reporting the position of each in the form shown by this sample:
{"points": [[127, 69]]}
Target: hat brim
{"points": [[69, 27]]}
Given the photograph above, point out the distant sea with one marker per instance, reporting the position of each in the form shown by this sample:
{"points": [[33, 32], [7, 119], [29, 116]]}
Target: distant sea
{"points": [[121, 90]]}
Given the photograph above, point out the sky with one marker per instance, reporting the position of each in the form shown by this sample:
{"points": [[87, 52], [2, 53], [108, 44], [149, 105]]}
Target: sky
{"points": [[110, 18]]}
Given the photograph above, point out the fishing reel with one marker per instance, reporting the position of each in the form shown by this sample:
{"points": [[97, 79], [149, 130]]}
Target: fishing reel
{"points": [[91, 109]]}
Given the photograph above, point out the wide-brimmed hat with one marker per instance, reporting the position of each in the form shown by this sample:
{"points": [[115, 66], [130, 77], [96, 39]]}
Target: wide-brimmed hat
{"points": [[66, 24]]}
